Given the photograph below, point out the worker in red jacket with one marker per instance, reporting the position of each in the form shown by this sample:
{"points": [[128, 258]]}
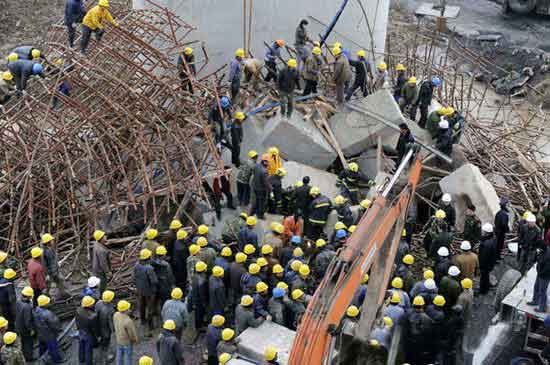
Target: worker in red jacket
{"points": [[36, 273]]}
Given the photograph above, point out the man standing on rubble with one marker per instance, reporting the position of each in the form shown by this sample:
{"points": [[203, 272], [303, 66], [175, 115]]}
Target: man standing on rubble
{"points": [[235, 74], [409, 97], [502, 226], [74, 13], [287, 83], [300, 40], [362, 68], [529, 240], [273, 53], [217, 116], [101, 259], [93, 23], [319, 210], [146, 284], [342, 74], [236, 137], [425, 95], [185, 64], [487, 257], [52, 265], [262, 187], [312, 70]]}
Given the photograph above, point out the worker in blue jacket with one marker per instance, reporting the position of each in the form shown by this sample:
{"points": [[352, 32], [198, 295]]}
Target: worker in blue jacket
{"points": [[74, 13], [22, 70]]}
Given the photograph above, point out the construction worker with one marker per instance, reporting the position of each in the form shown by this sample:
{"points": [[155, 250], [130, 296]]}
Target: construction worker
{"points": [[217, 116], [301, 38], [101, 259], [450, 286], [232, 227], [252, 68], [449, 209], [261, 298], [179, 255], [36, 272], [304, 280], [22, 70], [169, 348], [502, 227], [433, 228], [224, 357], [466, 299], [285, 254], [542, 280], [146, 282], [125, 334], [276, 275], [6, 87], [362, 72], [442, 264], [213, 337], [150, 242], [217, 292], [87, 324], [247, 233], [404, 144], [244, 315], [382, 333], [312, 71], [276, 198], [342, 74], [105, 310], [347, 340], [169, 237], [235, 74], [272, 54], [432, 124], [199, 293], [417, 333], [11, 353], [472, 225], [250, 279], [207, 252], [409, 97], [487, 257], [28, 53], [236, 272], [246, 170], [319, 209], [363, 207], [349, 181], [403, 248], [276, 306], [323, 258], [444, 139], [236, 130], [262, 187], [287, 82], [404, 271], [93, 22], [192, 260], [228, 345], [467, 261], [274, 241], [293, 225], [435, 311], [24, 322], [425, 96], [394, 310], [427, 289], [296, 307], [186, 66], [165, 277], [8, 297], [275, 161], [292, 269], [74, 13], [47, 327], [400, 81], [176, 310], [343, 209], [271, 356], [145, 360], [397, 287], [456, 123], [92, 288], [380, 76]]}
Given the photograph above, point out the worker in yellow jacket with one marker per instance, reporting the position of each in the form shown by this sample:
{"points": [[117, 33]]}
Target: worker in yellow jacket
{"points": [[94, 22], [275, 162]]}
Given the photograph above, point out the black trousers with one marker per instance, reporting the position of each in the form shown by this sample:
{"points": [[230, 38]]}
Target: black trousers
{"points": [[86, 34], [423, 115], [500, 243], [271, 71], [235, 153], [261, 202], [311, 87], [314, 231], [357, 84], [243, 193], [484, 282], [27, 346]]}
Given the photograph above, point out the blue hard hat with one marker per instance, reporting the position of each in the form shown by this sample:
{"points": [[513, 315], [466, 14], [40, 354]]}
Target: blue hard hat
{"points": [[341, 233], [37, 69], [224, 101], [296, 240], [278, 293], [436, 81]]}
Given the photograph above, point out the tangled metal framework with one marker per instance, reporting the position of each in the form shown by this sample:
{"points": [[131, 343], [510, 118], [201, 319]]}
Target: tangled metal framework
{"points": [[127, 138]]}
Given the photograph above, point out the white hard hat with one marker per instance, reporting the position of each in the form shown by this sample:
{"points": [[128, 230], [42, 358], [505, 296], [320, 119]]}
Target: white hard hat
{"points": [[443, 251], [531, 218], [429, 284], [454, 271], [446, 198], [465, 246], [487, 227], [444, 124], [93, 281]]}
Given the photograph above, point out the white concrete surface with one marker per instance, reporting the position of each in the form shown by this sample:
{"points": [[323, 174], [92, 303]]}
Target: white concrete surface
{"points": [[254, 341]]}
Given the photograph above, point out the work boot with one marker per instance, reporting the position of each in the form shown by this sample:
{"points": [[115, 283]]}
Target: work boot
{"points": [[531, 303]]}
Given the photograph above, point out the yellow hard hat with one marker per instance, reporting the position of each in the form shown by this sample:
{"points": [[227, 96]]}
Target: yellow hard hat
{"points": [[412, 80], [273, 151], [36, 252], [227, 334], [151, 234], [9, 274], [43, 300], [418, 301], [224, 358], [297, 252], [261, 261], [526, 214], [280, 172], [161, 251], [282, 285], [240, 257], [361, 53], [408, 259], [181, 234], [428, 274], [217, 271], [145, 254], [365, 204], [292, 63], [169, 325], [298, 184], [175, 224], [243, 215], [46, 238], [314, 191], [225, 252], [28, 292], [395, 298], [202, 229], [10, 337], [336, 51], [295, 265], [466, 283], [249, 249], [201, 266], [304, 270], [194, 249], [352, 311], [246, 300], [12, 57], [251, 221], [202, 242], [261, 287], [441, 110], [365, 279], [397, 283], [354, 167], [388, 321], [123, 306], [3, 322], [339, 200], [279, 228], [98, 235], [449, 111], [440, 214], [87, 301], [400, 67], [374, 343], [382, 66], [439, 300], [253, 269], [7, 76], [316, 51], [239, 53], [320, 243], [176, 293], [218, 320], [404, 233], [337, 45], [188, 51], [352, 228], [297, 294], [252, 154], [104, 3], [339, 225], [108, 296], [270, 353], [277, 269], [35, 53], [145, 360], [239, 115]]}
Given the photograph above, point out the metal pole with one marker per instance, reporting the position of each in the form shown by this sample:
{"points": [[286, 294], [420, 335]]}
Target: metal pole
{"points": [[400, 169]]}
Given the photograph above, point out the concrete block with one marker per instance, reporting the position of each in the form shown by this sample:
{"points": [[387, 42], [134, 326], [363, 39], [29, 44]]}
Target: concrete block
{"points": [[216, 225], [253, 134], [298, 140], [367, 163], [326, 181], [254, 341], [333, 218], [240, 362], [468, 184]]}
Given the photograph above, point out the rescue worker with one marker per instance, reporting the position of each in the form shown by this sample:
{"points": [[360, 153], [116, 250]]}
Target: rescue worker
{"points": [[433, 228], [247, 234], [362, 70], [394, 310], [303, 199], [296, 307], [6, 87], [287, 82], [274, 162], [472, 225], [261, 298], [444, 138], [74, 13], [439, 331], [228, 344], [101, 259], [276, 199], [425, 96], [93, 22], [207, 252], [235, 74], [192, 260], [146, 282], [403, 248], [24, 322], [427, 289], [443, 263], [125, 334], [199, 294], [501, 226], [22, 70], [176, 310], [8, 298], [236, 271], [11, 354], [363, 207], [322, 259], [276, 306], [319, 209], [417, 333], [217, 116], [286, 253], [105, 310], [404, 143], [217, 292], [150, 242], [467, 261], [47, 327], [449, 209], [271, 356], [312, 71], [272, 54], [169, 348], [456, 122], [186, 67], [403, 271], [432, 124], [409, 97], [262, 187], [36, 273], [236, 130], [380, 76], [541, 282], [400, 81], [450, 287], [179, 256], [300, 39], [487, 257], [165, 276], [397, 287], [349, 181], [360, 292], [244, 315], [88, 330], [92, 289], [246, 170], [343, 209], [28, 53], [342, 74], [274, 239]]}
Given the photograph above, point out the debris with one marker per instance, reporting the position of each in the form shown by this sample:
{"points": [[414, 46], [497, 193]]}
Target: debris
{"points": [[509, 84], [254, 341], [326, 181]]}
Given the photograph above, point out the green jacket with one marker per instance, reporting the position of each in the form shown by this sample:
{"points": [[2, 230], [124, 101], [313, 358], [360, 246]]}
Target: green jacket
{"points": [[12, 355], [410, 93], [432, 124], [472, 229]]}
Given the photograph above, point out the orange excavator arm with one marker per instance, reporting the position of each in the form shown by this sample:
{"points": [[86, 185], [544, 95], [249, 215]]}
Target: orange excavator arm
{"points": [[314, 341]]}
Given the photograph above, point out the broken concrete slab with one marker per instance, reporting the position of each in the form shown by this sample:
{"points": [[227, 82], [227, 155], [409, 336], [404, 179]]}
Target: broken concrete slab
{"points": [[368, 163], [216, 225], [253, 132], [240, 361], [467, 184], [326, 181], [254, 341], [333, 218]]}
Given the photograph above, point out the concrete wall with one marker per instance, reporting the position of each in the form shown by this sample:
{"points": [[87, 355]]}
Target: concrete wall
{"points": [[220, 23]]}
